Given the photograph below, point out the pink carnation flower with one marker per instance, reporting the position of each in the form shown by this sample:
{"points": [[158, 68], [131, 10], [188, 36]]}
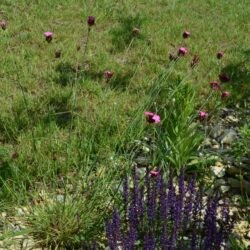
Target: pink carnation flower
{"points": [[225, 95], [108, 74], [154, 173], [152, 117], [202, 115], [182, 51], [91, 20], [220, 54], [215, 85], [48, 36], [3, 24], [186, 34]]}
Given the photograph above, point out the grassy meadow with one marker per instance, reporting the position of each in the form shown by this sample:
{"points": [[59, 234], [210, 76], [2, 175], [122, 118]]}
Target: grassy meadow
{"points": [[68, 135]]}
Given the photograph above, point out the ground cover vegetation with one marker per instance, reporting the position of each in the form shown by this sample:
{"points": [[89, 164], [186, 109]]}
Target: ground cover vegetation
{"points": [[101, 98]]}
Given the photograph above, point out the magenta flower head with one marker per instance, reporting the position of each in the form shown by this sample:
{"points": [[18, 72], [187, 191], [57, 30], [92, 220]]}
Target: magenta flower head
{"points": [[224, 77], [182, 51], [154, 173], [215, 85], [108, 75], [91, 21], [202, 115], [3, 24], [220, 54], [225, 95], [48, 36], [152, 117], [186, 34]]}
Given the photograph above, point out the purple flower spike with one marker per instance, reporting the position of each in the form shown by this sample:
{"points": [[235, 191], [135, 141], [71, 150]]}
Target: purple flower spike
{"points": [[160, 217], [91, 21], [125, 195], [110, 236], [180, 199], [210, 222]]}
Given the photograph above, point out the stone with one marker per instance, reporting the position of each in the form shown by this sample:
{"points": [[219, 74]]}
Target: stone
{"points": [[235, 183], [142, 160], [60, 198], [218, 171], [224, 188], [220, 182], [28, 243], [215, 131], [248, 235], [207, 142], [232, 118], [232, 170], [228, 136], [234, 211], [4, 214], [216, 146], [145, 149]]}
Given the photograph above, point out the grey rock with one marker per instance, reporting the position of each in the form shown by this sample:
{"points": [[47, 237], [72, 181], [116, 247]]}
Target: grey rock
{"points": [[235, 183], [228, 136], [216, 146], [232, 118], [207, 142], [232, 170], [142, 160], [218, 171], [220, 182], [215, 131], [224, 188], [245, 160]]}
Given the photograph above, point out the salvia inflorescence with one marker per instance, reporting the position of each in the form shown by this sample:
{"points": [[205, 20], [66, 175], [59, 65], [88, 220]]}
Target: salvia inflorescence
{"points": [[177, 214]]}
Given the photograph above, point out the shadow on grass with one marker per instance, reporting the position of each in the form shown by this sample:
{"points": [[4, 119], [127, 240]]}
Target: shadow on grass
{"points": [[68, 74], [123, 34], [5, 172], [239, 79], [59, 110], [120, 81]]}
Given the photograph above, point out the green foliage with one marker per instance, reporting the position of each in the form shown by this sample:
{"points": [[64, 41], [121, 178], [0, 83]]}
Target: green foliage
{"points": [[242, 146], [178, 138]]}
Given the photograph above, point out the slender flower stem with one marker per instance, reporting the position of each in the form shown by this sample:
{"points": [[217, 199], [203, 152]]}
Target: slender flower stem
{"points": [[86, 44], [26, 107]]}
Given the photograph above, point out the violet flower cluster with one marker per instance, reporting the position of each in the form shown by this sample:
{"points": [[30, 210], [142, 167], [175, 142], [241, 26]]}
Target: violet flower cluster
{"points": [[168, 215]]}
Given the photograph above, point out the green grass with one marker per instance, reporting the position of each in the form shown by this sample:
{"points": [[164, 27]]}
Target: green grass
{"points": [[60, 123]]}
